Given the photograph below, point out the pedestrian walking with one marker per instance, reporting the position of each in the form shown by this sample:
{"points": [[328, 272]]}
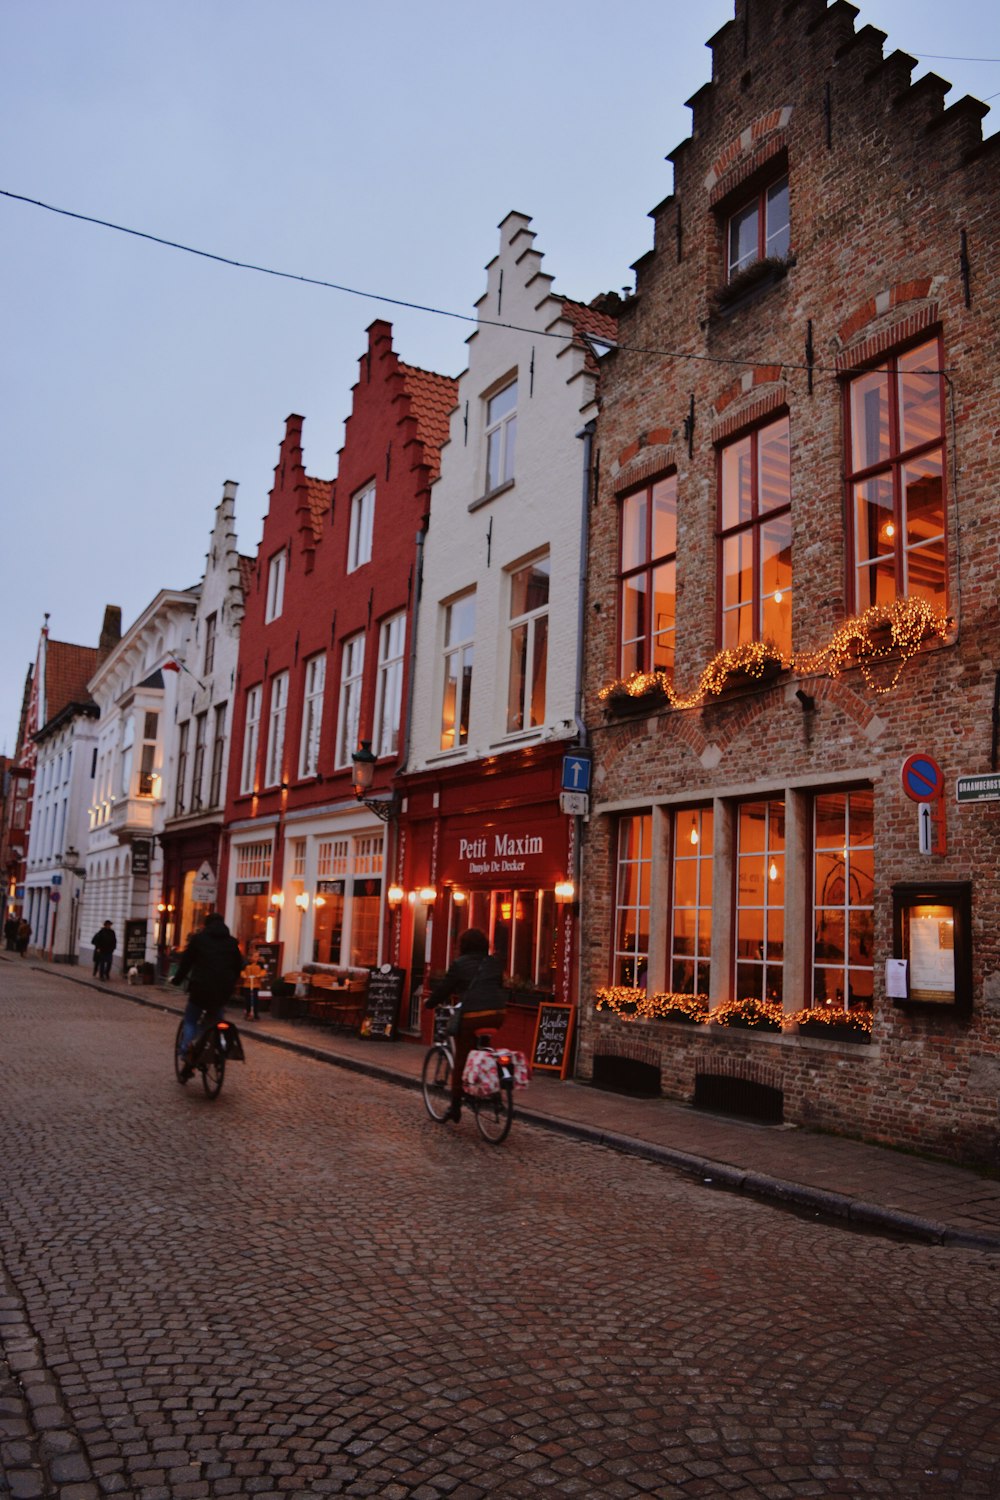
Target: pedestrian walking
{"points": [[105, 943], [23, 936], [10, 933]]}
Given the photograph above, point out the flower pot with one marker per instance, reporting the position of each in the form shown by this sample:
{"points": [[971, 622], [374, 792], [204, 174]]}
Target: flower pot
{"points": [[833, 1031]]}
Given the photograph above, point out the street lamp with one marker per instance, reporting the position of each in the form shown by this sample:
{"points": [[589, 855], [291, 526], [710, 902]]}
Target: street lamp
{"points": [[385, 808]]}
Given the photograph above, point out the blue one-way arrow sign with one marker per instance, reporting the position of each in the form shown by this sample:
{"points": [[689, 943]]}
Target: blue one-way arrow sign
{"points": [[576, 773]]}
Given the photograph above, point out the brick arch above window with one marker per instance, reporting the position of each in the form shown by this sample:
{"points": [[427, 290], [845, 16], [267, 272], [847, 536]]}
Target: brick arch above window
{"points": [[862, 342], [754, 405], [747, 152], [650, 455]]}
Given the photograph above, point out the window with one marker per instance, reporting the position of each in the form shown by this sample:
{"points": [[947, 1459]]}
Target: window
{"points": [[649, 578], [843, 898], [198, 772], [389, 687], [218, 755], [529, 634], [208, 662], [459, 630], [632, 888], [127, 755], [180, 805], [760, 229], [276, 730], [359, 544], [147, 754], [896, 477], [251, 736], [312, 715], [352, 666], [253, 861], [501, 432], [760, 901], [756, 539], [691, 906], [275, 586]]}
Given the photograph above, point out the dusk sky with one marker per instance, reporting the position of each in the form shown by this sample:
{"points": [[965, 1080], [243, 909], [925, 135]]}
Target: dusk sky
{"points": [[374, 146]]}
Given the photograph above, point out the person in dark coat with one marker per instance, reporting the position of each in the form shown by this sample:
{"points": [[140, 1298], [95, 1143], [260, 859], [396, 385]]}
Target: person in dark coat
{"points": [[23, 936], [475, 979], [212, 963], [104, 944], [10, 934]]}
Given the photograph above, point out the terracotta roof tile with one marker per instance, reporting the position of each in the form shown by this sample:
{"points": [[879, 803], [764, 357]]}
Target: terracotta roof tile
{"points": [[588, 320], [247, 566], [433, 398], [320, 496], [68, 669]]}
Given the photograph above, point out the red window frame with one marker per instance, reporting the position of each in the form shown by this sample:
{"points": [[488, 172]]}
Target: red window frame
{"points": [[760, 202], [751, 526], [639, 653], [884, 479]]}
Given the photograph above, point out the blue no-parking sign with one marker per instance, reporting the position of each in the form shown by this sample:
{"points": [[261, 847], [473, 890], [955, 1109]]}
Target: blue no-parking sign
{"points": [[923, 779]]}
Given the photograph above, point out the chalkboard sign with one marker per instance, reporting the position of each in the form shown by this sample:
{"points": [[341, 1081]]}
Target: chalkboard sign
{"points": [[550, 1049], [385, 992], [135, 944]]}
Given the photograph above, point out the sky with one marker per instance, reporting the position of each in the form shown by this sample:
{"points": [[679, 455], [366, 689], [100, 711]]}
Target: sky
{"points": [[376, 146]]}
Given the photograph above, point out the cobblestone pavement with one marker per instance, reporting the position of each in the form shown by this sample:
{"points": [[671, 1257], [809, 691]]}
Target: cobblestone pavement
{"points": [[307, 1288]]}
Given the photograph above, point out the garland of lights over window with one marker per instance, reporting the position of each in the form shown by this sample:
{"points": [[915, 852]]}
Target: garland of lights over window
{"points": [[884, 630]]}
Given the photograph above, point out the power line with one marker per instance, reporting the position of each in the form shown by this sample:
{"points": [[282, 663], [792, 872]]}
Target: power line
{"points": [[596, 342]]}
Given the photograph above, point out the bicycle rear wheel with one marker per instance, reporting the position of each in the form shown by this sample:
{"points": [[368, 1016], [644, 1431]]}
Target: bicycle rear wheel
{"points": [[212, 1064], [494, 1114], [436, 1080]]}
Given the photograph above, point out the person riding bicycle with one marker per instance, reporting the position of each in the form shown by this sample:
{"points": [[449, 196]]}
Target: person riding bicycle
{"points": [[212, 962], [475, 980]]}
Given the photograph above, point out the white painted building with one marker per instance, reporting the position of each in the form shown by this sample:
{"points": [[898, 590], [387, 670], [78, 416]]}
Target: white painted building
{"points": [[135, 690], [64, 770]]}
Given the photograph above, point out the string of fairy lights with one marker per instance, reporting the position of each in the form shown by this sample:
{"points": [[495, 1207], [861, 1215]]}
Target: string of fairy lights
{"points": [[630, 1004]]}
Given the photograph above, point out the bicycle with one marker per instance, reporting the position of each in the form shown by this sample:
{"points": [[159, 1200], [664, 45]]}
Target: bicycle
{"points": [[493, 1112], [217, 1044]]}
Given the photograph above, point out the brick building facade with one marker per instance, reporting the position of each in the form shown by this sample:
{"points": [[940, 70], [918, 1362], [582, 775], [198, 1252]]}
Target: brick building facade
{"points": [[794, 591]]}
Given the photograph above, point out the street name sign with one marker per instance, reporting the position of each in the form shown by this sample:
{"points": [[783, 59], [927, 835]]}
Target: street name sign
{"points": [[978, 788]]}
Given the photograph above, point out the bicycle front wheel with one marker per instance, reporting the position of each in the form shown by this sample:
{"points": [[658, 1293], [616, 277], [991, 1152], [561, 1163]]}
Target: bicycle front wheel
{"points": [[436, 1080], [494, 1114], [213, 1065]]}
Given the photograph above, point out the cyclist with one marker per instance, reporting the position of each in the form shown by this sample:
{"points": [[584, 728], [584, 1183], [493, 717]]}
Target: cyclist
{"points": [[474, 979], [212, 961]]}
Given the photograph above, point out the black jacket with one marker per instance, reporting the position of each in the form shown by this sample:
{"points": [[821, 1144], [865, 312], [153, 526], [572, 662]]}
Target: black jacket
{"points": [[476, 980], [104, 940], [213, 961]]}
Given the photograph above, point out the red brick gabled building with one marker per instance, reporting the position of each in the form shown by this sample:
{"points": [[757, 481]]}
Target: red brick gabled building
{"points": [[794, 636], [324, 665]]}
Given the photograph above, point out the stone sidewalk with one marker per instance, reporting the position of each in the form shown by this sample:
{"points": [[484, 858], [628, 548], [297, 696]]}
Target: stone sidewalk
{"points": [[867, 1186]]}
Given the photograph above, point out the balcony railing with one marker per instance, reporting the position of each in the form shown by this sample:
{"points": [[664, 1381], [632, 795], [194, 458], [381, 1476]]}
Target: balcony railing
{"points": [[132, 817]]}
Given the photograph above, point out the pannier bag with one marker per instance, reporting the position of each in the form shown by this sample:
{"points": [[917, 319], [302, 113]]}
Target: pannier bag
{"points": [[481, 1071]]}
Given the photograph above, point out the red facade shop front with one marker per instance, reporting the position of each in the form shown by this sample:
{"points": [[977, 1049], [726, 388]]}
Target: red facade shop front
{"points": [[487, 846]]}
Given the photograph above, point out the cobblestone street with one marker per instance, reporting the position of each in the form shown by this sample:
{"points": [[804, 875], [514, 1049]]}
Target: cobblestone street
{"points": [[307, 1288]]}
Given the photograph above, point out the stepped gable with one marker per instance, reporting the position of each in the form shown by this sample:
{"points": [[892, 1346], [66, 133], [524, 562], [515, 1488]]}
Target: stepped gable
{"points": [[433, 398], [68, 669]]}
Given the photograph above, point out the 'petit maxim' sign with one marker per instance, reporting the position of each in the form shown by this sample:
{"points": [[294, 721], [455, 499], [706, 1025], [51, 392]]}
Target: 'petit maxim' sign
{"points": [[506, 854]]}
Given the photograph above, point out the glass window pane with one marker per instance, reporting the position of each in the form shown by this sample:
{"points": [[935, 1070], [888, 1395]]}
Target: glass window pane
{"points": [[665, 517], [685, 931], [685, 882], [778, 238], [919, 396], [829, 935], [515, 684], [874, 523], [923, 499], [503, 402], [737, 494], [664, 616], [861, 935], [775, 935], [529, 588], [749, 981], [861, 810], [774, 482], [751, 827], [870, 420], [539, 660], [737, 570], [743, 236], [634, 530], [861, 987], [750, 933]]}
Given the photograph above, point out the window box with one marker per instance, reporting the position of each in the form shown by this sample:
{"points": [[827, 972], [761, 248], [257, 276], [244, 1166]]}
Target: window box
{"points": [[830, 1025], [749, 1015], [619, 701], [748, 283], [741, 678]]}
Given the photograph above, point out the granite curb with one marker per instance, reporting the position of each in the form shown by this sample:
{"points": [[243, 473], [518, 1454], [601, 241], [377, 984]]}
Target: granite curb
{"points": [[854, 1212]]}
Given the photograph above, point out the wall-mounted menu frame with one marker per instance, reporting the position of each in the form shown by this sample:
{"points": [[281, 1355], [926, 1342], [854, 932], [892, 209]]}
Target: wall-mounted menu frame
{"points": [[932, 931]]}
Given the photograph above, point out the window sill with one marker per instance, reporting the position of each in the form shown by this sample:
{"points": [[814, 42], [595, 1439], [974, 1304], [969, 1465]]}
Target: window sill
{"points": [[748, 286], [501, 489]]}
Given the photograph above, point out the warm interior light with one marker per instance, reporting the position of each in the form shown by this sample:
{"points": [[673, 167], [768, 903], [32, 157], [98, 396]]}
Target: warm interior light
{"points": [[161, 906], [459, 897], [888, 530], [302, 901], [277, 898], [694, 834], [565, 890], [772, 871], [778, 596], [505, 910], [395, 895], [427, 894], [320, 901]]}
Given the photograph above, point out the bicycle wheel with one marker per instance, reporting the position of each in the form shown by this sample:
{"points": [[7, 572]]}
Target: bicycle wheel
{"points": [[494, 1114], [213, 1065], [436, 1080], [178, 1060]]}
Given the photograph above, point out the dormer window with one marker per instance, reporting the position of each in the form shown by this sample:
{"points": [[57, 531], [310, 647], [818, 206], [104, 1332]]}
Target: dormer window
{"points": [[275, 586], [501, 431], [759, 230]]}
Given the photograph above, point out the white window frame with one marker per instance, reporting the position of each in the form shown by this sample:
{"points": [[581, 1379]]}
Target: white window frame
{"points": [[277, 715], [198, 761], [501, 435], [389, 684], [459, 655], [276, 570], [313, 689], [352, 670], [251, 739], [530, 621], [362, 529]]}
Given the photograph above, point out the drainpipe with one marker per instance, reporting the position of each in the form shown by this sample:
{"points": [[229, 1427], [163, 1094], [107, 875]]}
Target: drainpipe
{"points": [[418, 583], [586, 434]]}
